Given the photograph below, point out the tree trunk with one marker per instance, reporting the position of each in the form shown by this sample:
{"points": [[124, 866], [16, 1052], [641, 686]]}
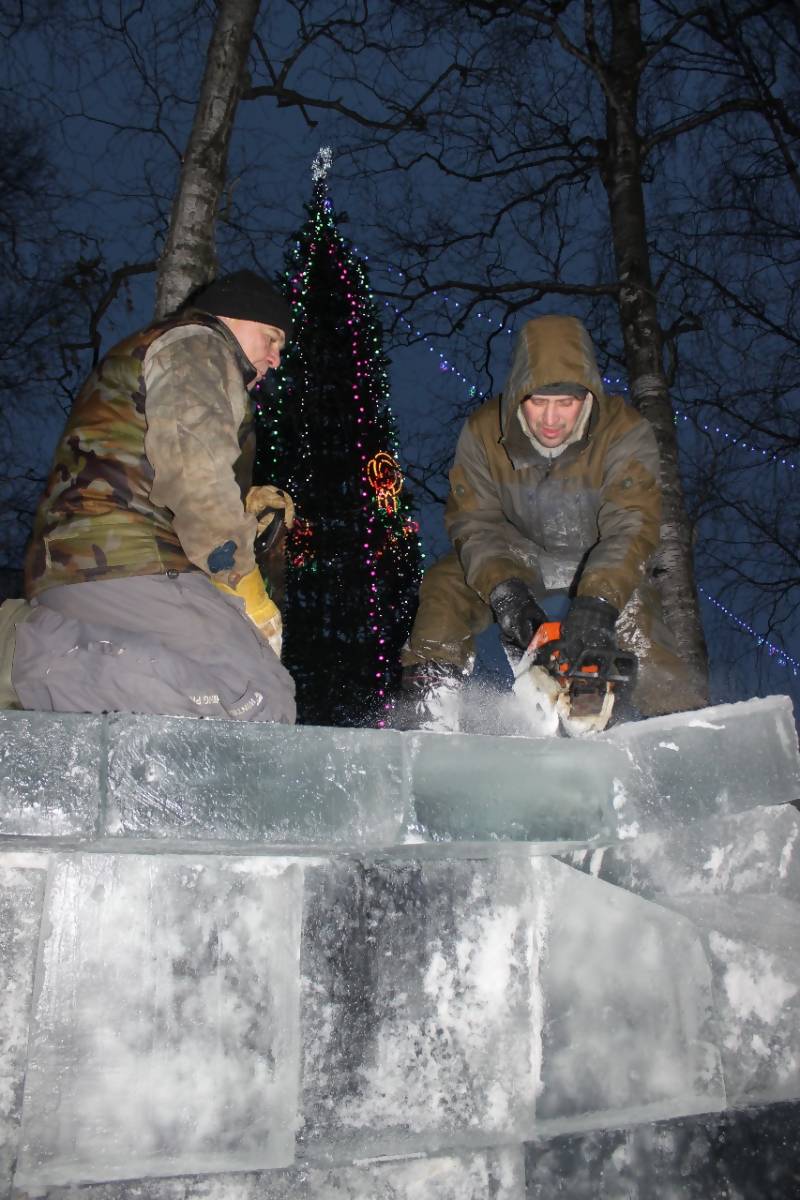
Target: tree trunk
{"points": [[188, 260], [622, 178]]}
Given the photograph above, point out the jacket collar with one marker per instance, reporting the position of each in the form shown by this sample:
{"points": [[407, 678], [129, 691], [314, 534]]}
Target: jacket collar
{"points": [[249, 372]]}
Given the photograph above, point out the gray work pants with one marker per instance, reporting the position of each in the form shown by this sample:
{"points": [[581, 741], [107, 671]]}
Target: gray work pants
{"points": [[149, 644]]}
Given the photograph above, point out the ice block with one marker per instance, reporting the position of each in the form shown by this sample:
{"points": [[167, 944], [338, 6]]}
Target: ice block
{"points": [[751, 1155], [753, 946], [165, 1034], [711, 762], [542, 790], [420, 1006], [753, 851], [223, 781], [21, 899], [50, 774], [627, 1000], [463, 1002]]}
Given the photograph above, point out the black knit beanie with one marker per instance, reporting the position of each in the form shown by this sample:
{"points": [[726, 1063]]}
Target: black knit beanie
{"points": [[248, 297], [578, 390]]}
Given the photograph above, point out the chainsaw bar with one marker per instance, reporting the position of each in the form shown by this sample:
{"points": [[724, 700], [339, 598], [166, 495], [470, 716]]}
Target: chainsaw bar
{"points": [[576, 695]]}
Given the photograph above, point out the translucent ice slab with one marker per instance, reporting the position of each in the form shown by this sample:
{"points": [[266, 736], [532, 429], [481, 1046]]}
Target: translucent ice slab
{"points": [[165, 1032], [753, 945], [467, 1002], [221, 780], [748, 1155], [711, 762], [421, 1024], [21, 895], [485, 1174], [627, 999], [50, 774], [757, 851], [468, 787]]}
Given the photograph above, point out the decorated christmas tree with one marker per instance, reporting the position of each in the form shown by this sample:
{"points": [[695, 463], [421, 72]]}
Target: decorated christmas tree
{"points": [[327, 435]]}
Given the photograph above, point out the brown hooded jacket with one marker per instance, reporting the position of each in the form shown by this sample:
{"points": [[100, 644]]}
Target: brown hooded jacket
{"points": [[588, 512]]}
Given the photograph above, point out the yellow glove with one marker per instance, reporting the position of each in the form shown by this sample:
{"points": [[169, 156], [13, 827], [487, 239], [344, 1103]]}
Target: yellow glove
{"points": [[258, 606], [268, 497]]}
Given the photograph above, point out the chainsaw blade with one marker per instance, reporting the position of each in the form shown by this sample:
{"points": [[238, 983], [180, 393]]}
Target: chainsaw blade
{"points": [[550, 702], [540, 695], [588, 710]]}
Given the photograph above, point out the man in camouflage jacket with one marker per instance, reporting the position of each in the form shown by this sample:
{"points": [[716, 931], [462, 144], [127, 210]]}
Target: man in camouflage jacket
{"points": [[554, 512], [141, 572]]}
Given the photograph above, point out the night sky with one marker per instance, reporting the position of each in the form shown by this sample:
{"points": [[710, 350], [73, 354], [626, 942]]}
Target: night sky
{"points": [[109, 111]]}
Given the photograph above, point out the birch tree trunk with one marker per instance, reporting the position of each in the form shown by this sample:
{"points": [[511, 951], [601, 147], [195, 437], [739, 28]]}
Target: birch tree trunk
{"points": [[188, 260], [621, 172]]}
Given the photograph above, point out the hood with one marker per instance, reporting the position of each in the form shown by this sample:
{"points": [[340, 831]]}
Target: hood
{"points": [[549, 350]]}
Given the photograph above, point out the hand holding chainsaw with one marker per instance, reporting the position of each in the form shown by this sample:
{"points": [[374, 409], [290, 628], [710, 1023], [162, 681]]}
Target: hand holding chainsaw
{"points": [[516, 612], [589, 625]]}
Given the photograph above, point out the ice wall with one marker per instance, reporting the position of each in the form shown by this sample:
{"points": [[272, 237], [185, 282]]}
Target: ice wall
{"points": [[318, 963]]}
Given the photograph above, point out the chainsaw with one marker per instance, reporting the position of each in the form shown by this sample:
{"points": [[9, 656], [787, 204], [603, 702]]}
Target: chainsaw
{"points": [[574, 698]]}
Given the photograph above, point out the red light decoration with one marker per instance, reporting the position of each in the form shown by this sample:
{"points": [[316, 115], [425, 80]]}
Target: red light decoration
{"points": [[300, 543], [386, 480]]}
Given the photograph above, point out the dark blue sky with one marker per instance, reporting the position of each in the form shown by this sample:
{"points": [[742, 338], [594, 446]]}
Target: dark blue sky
{"points": [[116, 151]]}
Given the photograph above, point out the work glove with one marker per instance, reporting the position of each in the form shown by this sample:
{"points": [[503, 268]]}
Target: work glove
{"points": [[589, 625], [516, 612], [269, 504], [258, 606]]}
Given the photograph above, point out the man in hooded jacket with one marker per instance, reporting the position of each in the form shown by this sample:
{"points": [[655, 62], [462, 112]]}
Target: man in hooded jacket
{"points": [[141, 574], [554, 513]]}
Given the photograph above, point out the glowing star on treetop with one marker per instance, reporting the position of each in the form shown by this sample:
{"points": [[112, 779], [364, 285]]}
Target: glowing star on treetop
{"points": [[323, 161]]}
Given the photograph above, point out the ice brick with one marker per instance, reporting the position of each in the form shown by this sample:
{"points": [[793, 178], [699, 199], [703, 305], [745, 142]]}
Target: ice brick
{"points": [[493, 1174], [463, 1002], [222, 780], [50, 774], [165, 1034], [755, 851], [627, 1001], [21, 895], [753, 946], [419, 1020], [545, 790], [709, 763], [751, 1155]]}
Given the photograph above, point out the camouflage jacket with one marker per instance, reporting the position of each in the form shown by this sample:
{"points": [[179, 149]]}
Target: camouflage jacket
{"points": [[586, 517], [149, 473]]}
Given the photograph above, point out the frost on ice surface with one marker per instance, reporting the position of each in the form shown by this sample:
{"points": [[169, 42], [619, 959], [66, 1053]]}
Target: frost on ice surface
{"points": [[361, 1020], [487, 1173], [50, 771], [419, 983], [21, 898], [726, 760], [750, 852], [484, 997], [740, 1155], [627, 994], [753, 946], [165, 1034]]}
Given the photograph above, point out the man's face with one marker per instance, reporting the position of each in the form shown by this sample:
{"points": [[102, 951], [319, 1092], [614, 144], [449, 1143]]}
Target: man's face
{"points": [[551, 419], [263, 344]]}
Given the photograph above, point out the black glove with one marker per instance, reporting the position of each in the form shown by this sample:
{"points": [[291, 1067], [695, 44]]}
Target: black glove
{"points": [[589, 625], [516, 612]]}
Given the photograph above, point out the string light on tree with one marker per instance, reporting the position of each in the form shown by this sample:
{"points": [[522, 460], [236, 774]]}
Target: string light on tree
{"points": [[328, 436]]}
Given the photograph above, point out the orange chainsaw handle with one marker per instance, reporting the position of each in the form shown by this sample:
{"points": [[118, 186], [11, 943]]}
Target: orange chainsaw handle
{"points": [[550, 631]]}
